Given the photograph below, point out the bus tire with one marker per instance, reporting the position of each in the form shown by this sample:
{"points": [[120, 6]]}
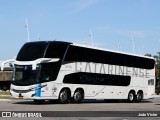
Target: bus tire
{"points": [[63, 96], [139, 96], [78, 96], [131, 96], [39, 101]]}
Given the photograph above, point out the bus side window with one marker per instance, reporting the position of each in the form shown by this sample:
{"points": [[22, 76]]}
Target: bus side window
{"points": [[151, 82], [44, 76]]}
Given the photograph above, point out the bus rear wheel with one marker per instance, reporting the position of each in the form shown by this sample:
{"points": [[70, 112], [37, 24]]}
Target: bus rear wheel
{"points": [[139, 96], [78, 96], [131, 96], [63, 96]]}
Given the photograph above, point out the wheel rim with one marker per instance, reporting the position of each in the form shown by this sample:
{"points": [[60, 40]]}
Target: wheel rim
{"points": [[63, 96], [139, 97], [78, 96], [131, 96]]}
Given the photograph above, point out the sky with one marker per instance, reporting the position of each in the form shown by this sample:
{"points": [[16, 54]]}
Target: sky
{"points": [[131, 26]]}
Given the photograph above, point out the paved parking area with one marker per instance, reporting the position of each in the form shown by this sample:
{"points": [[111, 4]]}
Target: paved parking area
{"points": [[90, 106]]}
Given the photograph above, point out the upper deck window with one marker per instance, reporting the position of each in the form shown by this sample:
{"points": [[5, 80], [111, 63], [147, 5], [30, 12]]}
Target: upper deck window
{"points": [[56, 50], [82, 54], [32, 51], [35, 50]]}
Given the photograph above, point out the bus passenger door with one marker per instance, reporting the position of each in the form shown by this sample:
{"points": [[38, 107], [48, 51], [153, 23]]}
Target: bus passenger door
{"points": [[46, 89]]}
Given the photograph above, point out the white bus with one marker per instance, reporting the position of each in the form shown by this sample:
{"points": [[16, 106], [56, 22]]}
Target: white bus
{"points": [[49, 70]]}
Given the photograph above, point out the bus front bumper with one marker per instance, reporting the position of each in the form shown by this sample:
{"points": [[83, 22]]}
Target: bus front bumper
{"points": [[31, 95]]}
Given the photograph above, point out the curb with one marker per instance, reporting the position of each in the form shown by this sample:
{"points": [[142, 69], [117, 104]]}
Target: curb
{"points": [[5, 100], [4, 95], [156, 96]]}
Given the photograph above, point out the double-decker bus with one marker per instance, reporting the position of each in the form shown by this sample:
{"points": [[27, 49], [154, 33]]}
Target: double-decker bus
{"points": [[49, 70]]}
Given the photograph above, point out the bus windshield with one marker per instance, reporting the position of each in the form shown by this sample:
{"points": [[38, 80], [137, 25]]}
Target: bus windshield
{"points": [[24, 75]]}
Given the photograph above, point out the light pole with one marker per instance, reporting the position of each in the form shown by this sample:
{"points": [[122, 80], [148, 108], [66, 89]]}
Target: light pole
{"points": [[28, 37], [132, 41]]}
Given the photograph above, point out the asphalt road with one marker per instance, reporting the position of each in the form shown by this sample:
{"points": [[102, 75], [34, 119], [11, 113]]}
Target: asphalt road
{"points": [[86, 108]]}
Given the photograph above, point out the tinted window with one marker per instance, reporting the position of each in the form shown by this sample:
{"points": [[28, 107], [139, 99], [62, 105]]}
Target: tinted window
{"points": [[32, 51], [45, 72], [97, 79], [49, 72], [56, 50], [151, 82], [24, 75], [80, 54]]}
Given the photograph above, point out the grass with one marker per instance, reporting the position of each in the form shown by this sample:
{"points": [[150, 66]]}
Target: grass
{"points": [[4, 93]]}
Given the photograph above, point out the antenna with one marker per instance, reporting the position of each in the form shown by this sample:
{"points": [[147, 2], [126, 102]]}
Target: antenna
{"points": [[91, 37], [132, 40], [118, 46], [142, 49], [28, 38], [38, 37]]}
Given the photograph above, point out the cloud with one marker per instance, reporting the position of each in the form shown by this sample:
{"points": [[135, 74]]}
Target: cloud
{"points": [[122, 32], [81, 5], [140, 34]]}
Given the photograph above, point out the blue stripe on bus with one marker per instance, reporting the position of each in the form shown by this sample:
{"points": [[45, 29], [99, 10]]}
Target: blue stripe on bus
{"points": [[38, 90]]}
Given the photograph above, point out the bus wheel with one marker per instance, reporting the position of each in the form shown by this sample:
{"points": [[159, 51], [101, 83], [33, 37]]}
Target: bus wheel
{"points": [[139, 96], [63, 96], [78, 96], [131, 96], [39, 101]]}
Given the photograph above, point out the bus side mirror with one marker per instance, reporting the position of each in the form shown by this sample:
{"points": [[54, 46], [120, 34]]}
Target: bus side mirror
{"points": [[11, 65], [54, 60]]}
